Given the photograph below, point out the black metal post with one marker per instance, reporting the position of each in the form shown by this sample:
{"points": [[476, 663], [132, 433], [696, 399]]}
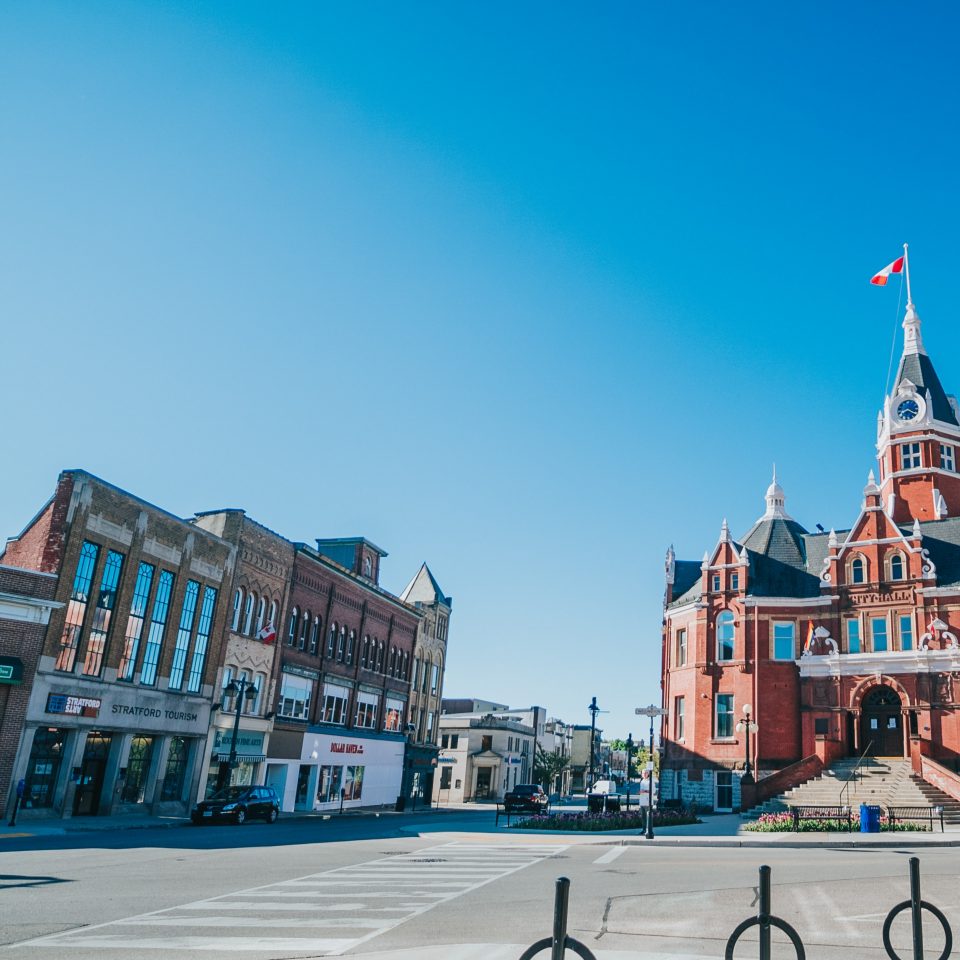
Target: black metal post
{"points": [[650, 787], [594, 710], [560, 903], [16, 807], [764, 913], [343, 793], [915, 908], [243, 689], [747, 767], [629, 752]]}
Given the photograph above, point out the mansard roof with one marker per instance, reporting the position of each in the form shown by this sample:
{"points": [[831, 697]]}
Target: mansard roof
{"points": [[918, 369], [942, 539]]}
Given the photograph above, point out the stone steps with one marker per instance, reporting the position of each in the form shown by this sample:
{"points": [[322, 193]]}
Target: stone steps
{"points": [[887, 782]]}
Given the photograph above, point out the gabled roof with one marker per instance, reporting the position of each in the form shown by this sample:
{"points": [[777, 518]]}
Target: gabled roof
{"points": [[423, 588]]}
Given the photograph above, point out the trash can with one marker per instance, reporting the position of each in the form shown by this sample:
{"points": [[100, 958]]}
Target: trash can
{"points": [[869, 818], [595, 802], [401, 803], [613, 805]]}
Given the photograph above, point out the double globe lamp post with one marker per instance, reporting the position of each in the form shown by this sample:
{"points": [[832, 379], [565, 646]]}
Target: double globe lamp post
{"points": [[747, 726], [243, 689], [651, 712]]}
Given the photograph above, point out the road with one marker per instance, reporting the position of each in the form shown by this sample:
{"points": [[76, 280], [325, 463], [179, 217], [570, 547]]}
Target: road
{"points": [[431, 886]]}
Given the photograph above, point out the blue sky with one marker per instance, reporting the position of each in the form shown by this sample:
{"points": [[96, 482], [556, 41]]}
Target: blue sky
{"points": [[526, 291]]}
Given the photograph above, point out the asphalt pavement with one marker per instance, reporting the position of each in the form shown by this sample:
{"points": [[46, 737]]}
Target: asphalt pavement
{"points": [[436, 885]]}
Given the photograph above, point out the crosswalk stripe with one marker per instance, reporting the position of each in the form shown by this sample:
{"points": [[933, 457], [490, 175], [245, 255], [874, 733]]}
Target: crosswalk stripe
{"points": [[411, 884]]}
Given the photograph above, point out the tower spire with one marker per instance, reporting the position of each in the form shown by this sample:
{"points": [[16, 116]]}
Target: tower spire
{"points": [[912, 342], [776, 501]]}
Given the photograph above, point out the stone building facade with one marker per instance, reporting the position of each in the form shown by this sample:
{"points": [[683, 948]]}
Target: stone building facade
{"points": [[837, 642], [258, 601], [119, 708], [426, 681]]}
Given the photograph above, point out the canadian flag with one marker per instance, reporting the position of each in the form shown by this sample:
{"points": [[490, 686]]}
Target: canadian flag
{"points": [[267, 634], [880, 279]]}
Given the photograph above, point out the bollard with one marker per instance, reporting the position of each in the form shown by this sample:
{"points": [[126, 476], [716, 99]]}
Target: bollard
{"points": [[765, 920], [559, 942], [916, 905]]}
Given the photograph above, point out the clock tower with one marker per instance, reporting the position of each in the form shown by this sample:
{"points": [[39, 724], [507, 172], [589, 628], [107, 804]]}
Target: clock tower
{"points": [[918, 438]]}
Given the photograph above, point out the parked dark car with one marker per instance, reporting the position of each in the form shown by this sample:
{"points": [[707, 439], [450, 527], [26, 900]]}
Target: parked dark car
{"points": [[238, 804], [527, 797]]}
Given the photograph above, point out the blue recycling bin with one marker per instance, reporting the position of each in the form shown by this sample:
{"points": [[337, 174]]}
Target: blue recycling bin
{"points": [[869, 818]]}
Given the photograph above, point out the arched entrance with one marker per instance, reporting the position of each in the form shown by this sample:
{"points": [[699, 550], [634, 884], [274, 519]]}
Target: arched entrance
{"points": [[881, 723]]}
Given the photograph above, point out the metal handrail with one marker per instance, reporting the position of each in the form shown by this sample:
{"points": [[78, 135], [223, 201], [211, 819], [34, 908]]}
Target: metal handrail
{"points": [[853, 773]]}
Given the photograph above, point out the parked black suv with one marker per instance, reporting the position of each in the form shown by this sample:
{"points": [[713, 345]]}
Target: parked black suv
{"points": [[238, 804], [526, 796]]}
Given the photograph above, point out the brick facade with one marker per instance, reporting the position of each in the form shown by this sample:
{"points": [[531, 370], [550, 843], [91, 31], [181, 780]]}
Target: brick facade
{"points": [[839, 642]]}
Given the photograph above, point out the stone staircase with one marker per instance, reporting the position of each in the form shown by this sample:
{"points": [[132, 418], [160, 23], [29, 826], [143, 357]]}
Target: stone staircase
{"points": [[888, 781]]}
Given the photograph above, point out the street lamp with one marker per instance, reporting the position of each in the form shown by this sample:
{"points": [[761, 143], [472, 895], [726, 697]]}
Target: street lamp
{"points": [[629, 746], [242, 689], [651, 712], [747, 727]]}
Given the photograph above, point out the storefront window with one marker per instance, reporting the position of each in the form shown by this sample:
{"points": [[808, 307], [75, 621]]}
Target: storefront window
{"points": [[334, 703], [176, 770], [138, 765], [43, 768], [367, 710], [328, 784], [353, 783]]}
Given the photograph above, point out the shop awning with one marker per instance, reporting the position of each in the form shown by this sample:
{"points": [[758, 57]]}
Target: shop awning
{"points": [[240, 758]]}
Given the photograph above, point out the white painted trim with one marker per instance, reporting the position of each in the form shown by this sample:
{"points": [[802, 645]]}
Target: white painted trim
{"points": [[887, 663], [686, 608], [32, 573], [789, 601], [22, 609], [939, 591]]}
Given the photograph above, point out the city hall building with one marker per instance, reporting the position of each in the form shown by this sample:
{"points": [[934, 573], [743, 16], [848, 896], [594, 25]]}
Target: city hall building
{"points": [[840, 642]]}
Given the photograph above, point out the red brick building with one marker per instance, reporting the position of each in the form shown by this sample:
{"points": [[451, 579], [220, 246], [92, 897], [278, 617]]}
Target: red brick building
{"points": [[26, 602], [344, 684], [839, 642]]}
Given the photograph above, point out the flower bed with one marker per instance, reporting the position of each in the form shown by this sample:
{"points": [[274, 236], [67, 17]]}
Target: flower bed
{"points": [[783, 823], [591, 822]]}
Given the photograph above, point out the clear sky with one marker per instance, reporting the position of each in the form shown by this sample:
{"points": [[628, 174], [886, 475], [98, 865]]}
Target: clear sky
{"points": [[528, 291]]}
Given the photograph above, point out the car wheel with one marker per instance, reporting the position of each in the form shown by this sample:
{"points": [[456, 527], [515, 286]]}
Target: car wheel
{"points": [[240, 815], [272, 815]]}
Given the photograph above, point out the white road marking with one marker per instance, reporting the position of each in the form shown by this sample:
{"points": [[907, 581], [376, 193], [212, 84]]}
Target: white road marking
{"points": [[417, 882], [611, 855]]}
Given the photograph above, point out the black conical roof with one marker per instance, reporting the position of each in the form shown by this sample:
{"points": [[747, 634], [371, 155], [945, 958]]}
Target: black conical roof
{"points": [[918, 369]]}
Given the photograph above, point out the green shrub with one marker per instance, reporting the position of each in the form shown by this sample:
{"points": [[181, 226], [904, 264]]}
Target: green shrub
{"points": [[591, 822]]}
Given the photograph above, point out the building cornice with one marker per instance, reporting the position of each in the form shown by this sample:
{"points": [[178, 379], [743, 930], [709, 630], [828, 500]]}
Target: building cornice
{"points": [[891, 662], [789, 601], [15, 606]]}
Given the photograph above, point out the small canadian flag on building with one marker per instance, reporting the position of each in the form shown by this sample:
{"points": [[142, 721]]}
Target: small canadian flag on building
{"points": [[880, 279], [268, 634]]}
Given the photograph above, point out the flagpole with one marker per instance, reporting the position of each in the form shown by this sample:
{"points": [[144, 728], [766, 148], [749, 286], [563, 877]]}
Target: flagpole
{"points": [[906, 268]]}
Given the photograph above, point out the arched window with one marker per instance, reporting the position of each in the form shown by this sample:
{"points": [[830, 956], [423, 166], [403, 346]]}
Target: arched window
{"points": [[261, 614], [351, 642], [379, 664], [392, 661], [224, 698], [365, 655], [332, 639], [292, 630], [367, 567], [858, 570], [315, 635], [248, 613], [404, 663], [896, 567], [342, 643], [415, 679], [237, 610], [273, 614], [305, 629], [725, 635], [260, 685]]}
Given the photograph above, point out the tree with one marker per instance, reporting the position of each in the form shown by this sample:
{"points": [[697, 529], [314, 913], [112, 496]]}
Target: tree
{"points": [[547, 767]]}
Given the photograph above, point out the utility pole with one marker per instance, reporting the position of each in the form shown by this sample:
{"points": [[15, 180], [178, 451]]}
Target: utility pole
{"points": [[594, 710]]}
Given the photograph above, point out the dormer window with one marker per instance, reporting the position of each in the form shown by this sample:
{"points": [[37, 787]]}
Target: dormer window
{"points": [[910, 458], [367, 567], [896, 567], [946, 457], [734, 581], [858, 570], [716, 582]]}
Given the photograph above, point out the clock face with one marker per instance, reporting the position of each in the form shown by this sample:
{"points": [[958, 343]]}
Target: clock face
{"points": [[908, 410]]}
